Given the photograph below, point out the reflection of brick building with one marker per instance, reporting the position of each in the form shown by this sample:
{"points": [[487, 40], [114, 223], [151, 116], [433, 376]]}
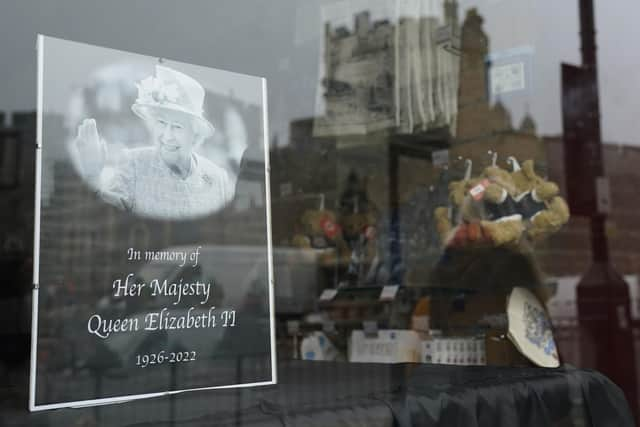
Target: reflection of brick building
{"points": [[568, 252], [482, 127]]}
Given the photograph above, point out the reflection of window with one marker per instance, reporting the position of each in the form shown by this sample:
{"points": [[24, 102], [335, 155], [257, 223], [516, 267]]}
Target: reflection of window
{"points": [[9, 158]]}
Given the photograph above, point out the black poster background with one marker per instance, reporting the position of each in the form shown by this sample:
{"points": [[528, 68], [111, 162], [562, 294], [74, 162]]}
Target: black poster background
{"points": [[84, 242]]}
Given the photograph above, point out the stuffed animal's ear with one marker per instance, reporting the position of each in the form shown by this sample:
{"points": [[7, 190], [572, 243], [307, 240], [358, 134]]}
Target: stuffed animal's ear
{"points": [[546, 190], [550, 220], [529, 171], [504, 232], [494, 193]]}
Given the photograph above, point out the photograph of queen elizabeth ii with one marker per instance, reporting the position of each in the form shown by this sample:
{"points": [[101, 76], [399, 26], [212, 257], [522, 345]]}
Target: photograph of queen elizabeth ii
{"points": [[167, 179], [157, 171]]}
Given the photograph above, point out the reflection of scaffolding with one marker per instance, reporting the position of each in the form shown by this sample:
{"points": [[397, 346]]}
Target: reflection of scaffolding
{"points": [[383, 75]]}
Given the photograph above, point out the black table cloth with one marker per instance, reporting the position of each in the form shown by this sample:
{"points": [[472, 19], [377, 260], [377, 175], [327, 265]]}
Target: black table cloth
{"points": [[342, 394]]}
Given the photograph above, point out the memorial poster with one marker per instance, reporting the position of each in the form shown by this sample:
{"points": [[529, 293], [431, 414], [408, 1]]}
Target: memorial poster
{"points": [[152, 260]]}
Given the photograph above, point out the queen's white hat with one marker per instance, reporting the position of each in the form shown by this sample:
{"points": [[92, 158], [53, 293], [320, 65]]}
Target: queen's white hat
{"points": [[171, 90]]}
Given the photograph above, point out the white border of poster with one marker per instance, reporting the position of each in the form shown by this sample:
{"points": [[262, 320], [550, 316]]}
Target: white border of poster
{"points": [[36, 263]]}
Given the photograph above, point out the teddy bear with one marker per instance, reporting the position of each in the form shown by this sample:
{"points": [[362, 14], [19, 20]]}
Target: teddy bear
{"points": [[540, 205], [317, 229], [483, 210]]}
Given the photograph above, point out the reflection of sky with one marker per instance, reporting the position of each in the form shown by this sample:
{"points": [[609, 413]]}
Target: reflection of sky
{"points": [[283, 44], [87, 61]]}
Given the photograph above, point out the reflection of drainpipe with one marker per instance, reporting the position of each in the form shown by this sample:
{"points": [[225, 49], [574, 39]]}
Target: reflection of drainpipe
{"points": [[606, 333]]}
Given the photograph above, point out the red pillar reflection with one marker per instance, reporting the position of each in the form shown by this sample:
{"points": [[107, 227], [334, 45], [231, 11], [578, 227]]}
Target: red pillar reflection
{"points": [[604, 314]]}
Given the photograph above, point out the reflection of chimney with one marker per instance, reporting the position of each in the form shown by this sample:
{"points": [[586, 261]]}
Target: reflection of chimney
{"points": [[363, 24], [451, 13], [328, 46], [475, 46], [473, 100]]}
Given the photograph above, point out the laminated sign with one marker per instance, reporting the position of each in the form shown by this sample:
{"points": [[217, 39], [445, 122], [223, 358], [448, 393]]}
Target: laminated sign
{"points": [[152, 255]]}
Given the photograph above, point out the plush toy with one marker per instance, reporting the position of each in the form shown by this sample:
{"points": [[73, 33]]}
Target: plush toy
{"points": [[485, 212], [359, 233], [317, 229], [539, 203], [354, 224], [499, 208]]}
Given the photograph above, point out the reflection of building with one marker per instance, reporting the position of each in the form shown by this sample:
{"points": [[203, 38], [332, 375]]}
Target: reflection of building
{"points": [[17, 152], [82, 246], [314, 164], [569, 251], [383, 75], [17, 149], [481, 126]]}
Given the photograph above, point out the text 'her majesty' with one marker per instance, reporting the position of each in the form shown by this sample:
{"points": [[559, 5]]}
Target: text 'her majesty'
{"points": [[177, 289]]}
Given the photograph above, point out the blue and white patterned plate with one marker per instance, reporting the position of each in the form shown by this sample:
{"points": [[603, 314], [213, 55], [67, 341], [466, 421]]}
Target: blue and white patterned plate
{"points": [[530, 328]]}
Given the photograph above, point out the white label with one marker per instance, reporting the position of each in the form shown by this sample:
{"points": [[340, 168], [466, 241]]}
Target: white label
{"points": [[389, 293], [389, 346], [603, 194], [507, 78], [477, 191], [328, 294]]}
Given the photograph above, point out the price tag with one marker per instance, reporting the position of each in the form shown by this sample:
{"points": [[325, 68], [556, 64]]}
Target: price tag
{"points": [[328, 294], [389, 293], [477, 192]]}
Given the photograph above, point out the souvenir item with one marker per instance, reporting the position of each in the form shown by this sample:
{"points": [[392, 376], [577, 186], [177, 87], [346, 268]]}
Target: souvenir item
{"points": [[319, 230], [530, 328], [317, 346], [500, 208], [539, 201]]}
